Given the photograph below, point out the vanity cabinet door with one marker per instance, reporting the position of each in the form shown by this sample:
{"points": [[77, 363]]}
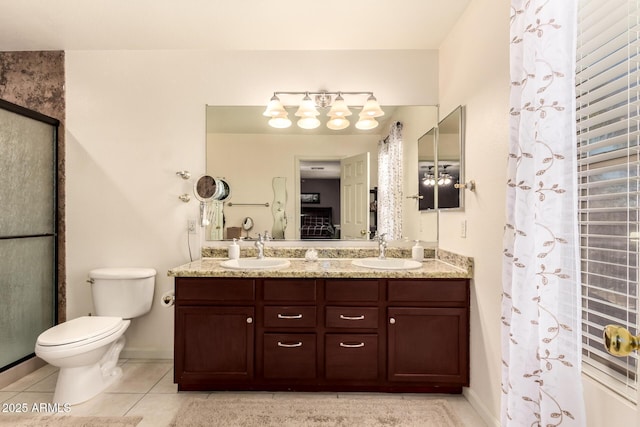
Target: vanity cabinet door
{"points": [[289, 356], [213, 343], [351, 357], [428, 345]]}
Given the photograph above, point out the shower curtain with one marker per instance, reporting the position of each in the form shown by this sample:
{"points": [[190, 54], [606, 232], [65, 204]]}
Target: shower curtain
{"points": [[541, 347], [390, 182]]}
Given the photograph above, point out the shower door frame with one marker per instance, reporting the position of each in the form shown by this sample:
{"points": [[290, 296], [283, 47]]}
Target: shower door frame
{"points": [[55, 124]]}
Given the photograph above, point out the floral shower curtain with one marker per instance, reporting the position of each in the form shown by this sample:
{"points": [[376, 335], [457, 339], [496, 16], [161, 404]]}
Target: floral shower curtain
{"points": [[541, 355], [390, 183]]}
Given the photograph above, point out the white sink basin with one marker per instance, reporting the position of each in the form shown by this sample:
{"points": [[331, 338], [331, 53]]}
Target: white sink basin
{"points": [[387, 263], [256, 264]]}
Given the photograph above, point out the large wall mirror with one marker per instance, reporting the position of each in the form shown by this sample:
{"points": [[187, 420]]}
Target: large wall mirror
{"points": [[248, 154], [441, 164]]}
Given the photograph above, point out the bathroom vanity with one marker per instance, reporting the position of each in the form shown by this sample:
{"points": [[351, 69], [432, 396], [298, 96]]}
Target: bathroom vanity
{"points": [[322, 326]]}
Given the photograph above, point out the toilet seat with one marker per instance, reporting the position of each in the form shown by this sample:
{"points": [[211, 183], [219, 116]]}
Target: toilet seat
{"points": [[79, 332]]}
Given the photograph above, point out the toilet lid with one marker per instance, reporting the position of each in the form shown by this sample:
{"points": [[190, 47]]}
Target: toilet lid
{"points": [[80, 329], [122, 273]]}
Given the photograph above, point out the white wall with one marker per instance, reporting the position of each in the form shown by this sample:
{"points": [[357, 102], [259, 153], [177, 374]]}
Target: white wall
{"points": [[474, 71], [134, 118]]}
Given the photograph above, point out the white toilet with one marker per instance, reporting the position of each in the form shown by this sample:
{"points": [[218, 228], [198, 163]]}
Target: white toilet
{"points": [[86, 349]]}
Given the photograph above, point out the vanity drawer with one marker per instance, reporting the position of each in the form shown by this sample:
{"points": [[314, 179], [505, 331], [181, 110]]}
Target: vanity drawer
{"points": [[351, 290], [428, 290], [214, 289], [351, 356], [290, 316], [352, 317], [289, 290], [289, 356]]}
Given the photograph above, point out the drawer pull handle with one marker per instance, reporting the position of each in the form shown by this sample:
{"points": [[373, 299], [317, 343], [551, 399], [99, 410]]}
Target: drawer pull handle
{"points": [[343, 317], [289, 316], [352, 345], [292, 345]]}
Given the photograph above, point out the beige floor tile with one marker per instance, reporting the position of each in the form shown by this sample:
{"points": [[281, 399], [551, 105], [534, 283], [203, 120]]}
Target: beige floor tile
{"points": [[165, 385], [27, 381], [252, 395], [361, 395], [6, 395], [30, 398], [107, 405], [310, 395], [47, 384], [139, 377], [146, 389], [158, 410]]}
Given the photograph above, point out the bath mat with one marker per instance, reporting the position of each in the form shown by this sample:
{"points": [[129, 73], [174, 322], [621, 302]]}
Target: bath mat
{"points": [[309, 412], [18, 420]]}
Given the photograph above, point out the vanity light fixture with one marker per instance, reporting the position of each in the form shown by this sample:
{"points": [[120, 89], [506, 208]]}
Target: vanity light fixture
{"points": [[444, 178], [429, 179], [338, 110]]}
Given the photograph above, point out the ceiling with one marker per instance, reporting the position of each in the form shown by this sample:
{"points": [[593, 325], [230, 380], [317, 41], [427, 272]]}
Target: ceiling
{"points": [[226, 25]]}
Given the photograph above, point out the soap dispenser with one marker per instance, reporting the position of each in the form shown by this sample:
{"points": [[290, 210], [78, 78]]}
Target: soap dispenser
{"points": [[234, 250], [417, 252]]}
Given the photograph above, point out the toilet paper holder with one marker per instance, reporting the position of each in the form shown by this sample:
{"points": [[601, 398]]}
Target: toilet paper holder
{"points": [[168, 299]]}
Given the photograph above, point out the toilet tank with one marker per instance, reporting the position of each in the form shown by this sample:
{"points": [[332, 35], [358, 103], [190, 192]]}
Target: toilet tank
{"points": [[122, 292]]}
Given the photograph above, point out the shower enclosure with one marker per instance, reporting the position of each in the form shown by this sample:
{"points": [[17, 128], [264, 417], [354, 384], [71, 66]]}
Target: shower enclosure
{"points": [[28, 227]]}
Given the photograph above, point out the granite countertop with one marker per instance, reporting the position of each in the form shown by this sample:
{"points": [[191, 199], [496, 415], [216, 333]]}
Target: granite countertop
{"points": [[447, 266]]}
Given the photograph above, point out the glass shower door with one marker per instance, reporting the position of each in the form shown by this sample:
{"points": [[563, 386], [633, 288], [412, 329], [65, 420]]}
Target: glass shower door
{"points": [[28, 225]]}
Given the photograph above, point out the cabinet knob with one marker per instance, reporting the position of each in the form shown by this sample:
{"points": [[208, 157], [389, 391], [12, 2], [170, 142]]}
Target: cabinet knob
{"points": [[392, 321], [249, 319]]}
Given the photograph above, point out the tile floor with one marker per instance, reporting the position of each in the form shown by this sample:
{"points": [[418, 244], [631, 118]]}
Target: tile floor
{"points": [[146, 389]]}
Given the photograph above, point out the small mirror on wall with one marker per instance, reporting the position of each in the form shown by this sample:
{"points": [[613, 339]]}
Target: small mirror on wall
{"points": [[427, 170], [450, 163]]}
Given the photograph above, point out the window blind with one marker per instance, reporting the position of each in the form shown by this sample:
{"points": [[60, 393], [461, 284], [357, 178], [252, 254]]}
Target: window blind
{"points": [[607, 89]]}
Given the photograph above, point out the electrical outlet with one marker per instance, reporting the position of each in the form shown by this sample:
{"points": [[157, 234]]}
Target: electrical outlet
{"points": [[191, 226], [463, 228]]}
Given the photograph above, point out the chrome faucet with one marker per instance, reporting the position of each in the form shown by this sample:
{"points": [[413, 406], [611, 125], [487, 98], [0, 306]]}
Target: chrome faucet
{"points": [[260, 245], [382, 245]]}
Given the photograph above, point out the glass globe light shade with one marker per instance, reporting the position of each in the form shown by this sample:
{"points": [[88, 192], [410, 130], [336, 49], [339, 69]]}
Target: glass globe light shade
{"points": [[308, 123], [371, 108], [307, 108], [339, 108], [337, 123], [366, 123], [274, 107], [280, 121]]}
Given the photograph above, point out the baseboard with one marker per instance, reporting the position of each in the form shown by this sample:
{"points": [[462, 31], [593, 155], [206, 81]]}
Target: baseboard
{"points": [[489, 419], [12, 375], [145, 353]]}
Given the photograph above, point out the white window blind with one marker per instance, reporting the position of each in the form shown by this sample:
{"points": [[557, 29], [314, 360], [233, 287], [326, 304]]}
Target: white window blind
{"points": [[607, 77]]}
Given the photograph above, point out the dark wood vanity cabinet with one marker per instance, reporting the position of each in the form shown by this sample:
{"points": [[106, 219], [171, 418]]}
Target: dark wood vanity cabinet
{"points": [[322, 334], [428, 332]]}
